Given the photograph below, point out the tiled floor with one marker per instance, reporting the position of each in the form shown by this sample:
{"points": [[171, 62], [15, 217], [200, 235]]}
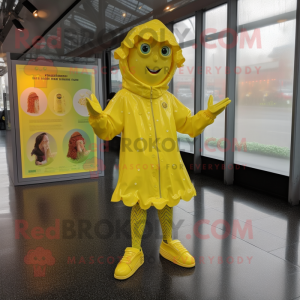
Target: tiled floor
{"points": [[230, 263]]}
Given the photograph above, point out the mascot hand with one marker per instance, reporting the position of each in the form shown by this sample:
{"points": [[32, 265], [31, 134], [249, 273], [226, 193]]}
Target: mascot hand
{"points": [[216, 109], [93, 106]]}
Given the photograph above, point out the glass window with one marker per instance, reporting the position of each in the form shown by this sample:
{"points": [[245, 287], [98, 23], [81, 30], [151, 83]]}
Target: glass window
{"points": [[214, 72], [116, 76], [184, 78], [185, 30], [254, 10], [216, 18], [265, 62]]}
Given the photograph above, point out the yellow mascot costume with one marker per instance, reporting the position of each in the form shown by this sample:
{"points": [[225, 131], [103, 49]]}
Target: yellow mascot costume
{"points": [[151, 171]]}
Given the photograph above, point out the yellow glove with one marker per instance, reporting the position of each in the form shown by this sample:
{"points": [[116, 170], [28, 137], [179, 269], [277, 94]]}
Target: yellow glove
{"points": [[93, 106], [215, 109]]}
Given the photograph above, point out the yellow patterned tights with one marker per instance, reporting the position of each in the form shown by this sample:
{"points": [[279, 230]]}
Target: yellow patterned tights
{"points": [[138, 222]]}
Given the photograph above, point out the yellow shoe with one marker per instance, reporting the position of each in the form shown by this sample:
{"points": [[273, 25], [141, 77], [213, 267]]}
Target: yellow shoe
{"points": [[176, 253], [131, 261]]}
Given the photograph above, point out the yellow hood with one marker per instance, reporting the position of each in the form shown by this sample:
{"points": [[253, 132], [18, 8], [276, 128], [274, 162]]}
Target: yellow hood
{"points": [[159, 32]]}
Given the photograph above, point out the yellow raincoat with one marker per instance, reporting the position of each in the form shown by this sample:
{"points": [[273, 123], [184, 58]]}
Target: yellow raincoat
{"points": [[151, 170]]}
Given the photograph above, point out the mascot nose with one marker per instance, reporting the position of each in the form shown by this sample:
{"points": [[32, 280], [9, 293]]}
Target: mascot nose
{"points": [[155, 57]]}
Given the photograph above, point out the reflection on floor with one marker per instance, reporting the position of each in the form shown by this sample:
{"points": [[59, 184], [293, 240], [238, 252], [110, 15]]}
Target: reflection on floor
{"points": [[76, 258]]}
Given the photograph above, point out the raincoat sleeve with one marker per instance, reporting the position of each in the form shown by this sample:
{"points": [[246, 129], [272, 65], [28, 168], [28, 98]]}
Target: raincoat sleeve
{"points": [[188, 124], [109, 122]]}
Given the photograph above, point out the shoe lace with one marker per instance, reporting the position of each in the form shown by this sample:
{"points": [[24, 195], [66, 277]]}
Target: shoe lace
{"points": [[180, 247], [127, 258]]}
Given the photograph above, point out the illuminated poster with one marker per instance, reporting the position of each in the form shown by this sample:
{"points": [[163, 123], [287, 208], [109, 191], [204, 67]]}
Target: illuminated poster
{"points": [[55, 135]]}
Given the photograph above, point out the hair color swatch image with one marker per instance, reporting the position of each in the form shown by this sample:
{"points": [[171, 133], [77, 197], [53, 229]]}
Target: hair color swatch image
{"points": [[76, 146], [33, 103]]}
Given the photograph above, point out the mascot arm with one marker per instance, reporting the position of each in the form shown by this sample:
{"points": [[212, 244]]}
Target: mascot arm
{"points": [[216, 109], [106, 123], [194, 125]]}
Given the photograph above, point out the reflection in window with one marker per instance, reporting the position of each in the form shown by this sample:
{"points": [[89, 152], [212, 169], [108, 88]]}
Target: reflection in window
{"points": [[265, 86], [214, 72], [184, 78], [139, 7], [118, 15], [95, 4], [84, 23], [110, 27]]}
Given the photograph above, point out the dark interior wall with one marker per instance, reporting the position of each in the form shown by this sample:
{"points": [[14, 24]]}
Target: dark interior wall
{"points": [[267, 182]]}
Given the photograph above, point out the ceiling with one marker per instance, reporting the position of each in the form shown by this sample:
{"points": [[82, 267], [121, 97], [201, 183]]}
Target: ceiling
{"points": [[85, 27], [49, 11]]}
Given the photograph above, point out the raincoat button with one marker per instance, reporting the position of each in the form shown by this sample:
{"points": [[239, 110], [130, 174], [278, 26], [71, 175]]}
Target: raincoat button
{"points": [[129, 113], [156, 120], [148, 112], [149, 134], [138, 169], [175, 110], [121, 111], [153, 155], [135, 183], [167, 130]]}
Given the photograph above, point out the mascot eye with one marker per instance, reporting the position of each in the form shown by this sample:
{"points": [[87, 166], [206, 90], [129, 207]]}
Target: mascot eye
{"points": [[165, 51], [145, 48]]}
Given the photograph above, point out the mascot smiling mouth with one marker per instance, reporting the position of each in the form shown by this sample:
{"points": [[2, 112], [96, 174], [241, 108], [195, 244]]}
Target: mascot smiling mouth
{"points": [[153, 71]]}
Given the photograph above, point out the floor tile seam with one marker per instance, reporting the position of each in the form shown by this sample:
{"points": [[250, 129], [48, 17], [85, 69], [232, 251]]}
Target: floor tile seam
{"points": [[256, 228], [288, 262], [252, 225], [249, 242], [261, 230], [286, 246], [243, 220], [269, 232]]}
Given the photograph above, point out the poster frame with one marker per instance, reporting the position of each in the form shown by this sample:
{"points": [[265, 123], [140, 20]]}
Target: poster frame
{"points": [[15, 127]]}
